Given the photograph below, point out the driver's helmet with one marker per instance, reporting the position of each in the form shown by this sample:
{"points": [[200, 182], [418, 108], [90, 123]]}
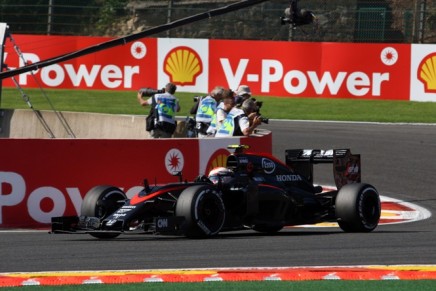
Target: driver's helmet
{"points": [[220, 174]]}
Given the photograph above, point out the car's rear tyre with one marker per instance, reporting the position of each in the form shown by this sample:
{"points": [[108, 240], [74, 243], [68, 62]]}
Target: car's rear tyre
{"points": [[358, 208], [100, 202], [203, 209]]}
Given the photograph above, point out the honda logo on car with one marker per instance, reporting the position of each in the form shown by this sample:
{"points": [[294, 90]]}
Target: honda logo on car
{"points": [[288, 178]]}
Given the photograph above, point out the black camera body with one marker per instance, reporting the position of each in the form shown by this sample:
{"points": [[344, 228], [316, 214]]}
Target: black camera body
{"points": [[258, 105], [148, 92], [264, 119], [197, 98], [257, 110]]}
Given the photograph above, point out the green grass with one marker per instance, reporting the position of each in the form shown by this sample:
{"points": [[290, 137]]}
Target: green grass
{"points": [[124, 102], [334, 285]]}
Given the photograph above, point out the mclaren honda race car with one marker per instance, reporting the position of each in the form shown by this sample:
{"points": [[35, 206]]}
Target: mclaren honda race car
{"points": [[254, 191]]}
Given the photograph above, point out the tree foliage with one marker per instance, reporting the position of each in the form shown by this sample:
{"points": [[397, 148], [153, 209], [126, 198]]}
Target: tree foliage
{"points": [[66, 17]]}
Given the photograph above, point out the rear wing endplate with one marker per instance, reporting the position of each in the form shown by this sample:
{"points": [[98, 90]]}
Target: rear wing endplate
{"points": [[346, 166]]}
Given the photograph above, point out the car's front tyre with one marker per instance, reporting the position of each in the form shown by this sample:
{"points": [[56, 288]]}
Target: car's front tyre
{"points": [[203, 209], [100, 202]]}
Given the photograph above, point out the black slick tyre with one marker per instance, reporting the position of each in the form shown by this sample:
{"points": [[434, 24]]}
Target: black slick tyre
{"points": [[203, 210], [358, 208], [100, 202]]}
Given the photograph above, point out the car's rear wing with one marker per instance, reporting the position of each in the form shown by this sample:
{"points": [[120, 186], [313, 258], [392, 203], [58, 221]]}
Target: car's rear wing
{"points": [[346, 166]]}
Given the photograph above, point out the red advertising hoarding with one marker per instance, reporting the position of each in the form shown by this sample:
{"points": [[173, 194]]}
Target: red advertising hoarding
{"points": [[270, 68], [42, 178], [120, 68], [296, 69]]}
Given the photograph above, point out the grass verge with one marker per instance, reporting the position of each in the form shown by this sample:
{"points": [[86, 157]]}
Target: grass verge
{"points": [[124, 102]]}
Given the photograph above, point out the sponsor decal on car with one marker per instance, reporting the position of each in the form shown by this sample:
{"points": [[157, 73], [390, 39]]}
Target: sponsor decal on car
{"points": [[268, 166], [288, 178]]}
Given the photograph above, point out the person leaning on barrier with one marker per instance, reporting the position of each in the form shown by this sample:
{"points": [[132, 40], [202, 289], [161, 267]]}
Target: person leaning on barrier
{"points": [[206, 109], [223, 109], [240, 121], [165, 106]]}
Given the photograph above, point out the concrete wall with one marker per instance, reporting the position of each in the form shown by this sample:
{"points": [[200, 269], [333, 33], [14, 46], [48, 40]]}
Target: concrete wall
{"points": [[26, 124]]}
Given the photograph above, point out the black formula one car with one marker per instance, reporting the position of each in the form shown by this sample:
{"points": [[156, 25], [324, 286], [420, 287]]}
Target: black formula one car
{"points": [[253, 191]]}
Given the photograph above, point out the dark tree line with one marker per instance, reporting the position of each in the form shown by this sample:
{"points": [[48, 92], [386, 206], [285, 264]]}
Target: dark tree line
{"points": [[61, 17]]}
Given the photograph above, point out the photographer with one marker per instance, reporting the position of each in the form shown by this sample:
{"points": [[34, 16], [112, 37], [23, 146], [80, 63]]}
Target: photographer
{"points": [[240, 121], [223, 109], [205, 109], [242, 93], [164, 106]]}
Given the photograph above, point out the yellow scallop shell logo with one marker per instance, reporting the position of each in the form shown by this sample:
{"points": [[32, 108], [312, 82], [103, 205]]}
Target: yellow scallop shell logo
{"points": [[217, 159], [427, 73], [183, 65]]}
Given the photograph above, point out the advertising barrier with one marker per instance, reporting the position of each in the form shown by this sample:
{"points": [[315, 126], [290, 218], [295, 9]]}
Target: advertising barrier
{"points": [[42, 178], [271, 68]]}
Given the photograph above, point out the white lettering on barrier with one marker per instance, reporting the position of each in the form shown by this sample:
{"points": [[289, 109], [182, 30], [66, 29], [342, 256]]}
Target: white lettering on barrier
{"points": [[296, 82], [327, 80], [17, 193], [34, 204], [82, 74], [301, 84], [53, 75], [30, 58], [234, 79], [110, 75], [76, 198], [272, 71]]}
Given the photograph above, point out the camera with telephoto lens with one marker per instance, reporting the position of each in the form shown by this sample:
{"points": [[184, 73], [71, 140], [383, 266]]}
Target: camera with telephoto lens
{"points": [[197, 98], [148, 92], [264, 119], [257, 110]]}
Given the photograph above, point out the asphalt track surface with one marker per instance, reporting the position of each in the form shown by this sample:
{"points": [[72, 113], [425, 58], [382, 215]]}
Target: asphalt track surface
{"points": [[399, 160]]}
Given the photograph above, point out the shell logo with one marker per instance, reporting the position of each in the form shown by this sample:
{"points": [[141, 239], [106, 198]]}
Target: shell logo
{"points": [[217, 159], [183, 65], [427, 73]]}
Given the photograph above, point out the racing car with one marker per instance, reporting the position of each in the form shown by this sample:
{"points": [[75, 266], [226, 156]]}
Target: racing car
{"points": [[253, 191]]}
